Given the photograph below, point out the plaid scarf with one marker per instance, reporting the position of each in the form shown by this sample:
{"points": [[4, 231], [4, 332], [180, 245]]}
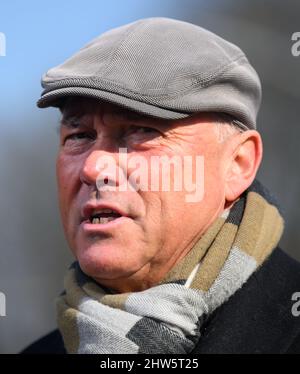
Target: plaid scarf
{"points": [[167, 318]]}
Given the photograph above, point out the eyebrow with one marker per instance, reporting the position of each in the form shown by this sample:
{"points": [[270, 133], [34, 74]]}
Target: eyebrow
{"points": [[71, 121], [74, 120], [129, 115]]}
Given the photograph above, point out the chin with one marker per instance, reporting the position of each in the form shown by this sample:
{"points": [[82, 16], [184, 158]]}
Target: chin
{"points": [[101, 261]]}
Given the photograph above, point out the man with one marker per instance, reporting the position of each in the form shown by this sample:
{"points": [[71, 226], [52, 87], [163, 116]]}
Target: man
{"points": [[176, 259]]}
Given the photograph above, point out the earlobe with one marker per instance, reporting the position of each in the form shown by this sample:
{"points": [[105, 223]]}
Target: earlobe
{"points": [[244, 163]]}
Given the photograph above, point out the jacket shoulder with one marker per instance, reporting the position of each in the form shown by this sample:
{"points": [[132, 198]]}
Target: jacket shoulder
{"points": [[50, 343], [258, 318]]}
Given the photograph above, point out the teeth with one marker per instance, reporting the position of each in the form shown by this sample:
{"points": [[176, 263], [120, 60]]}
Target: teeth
{"points": [[95, 220], [103, 216], [102, 220]]}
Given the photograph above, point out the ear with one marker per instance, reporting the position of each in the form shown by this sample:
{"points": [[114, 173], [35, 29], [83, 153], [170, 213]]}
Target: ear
{"points": [[245, 156]]}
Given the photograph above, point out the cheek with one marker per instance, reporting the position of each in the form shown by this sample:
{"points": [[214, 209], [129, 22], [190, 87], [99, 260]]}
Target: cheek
{"points": [[215, 174], [214, 187], [67, 174]]}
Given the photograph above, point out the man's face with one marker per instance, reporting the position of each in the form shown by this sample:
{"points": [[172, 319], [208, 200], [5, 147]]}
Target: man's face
{"points": [[150, 230]]}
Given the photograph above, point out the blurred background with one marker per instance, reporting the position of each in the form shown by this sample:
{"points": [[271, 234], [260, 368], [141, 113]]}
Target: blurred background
{"points": [[39, 35]]}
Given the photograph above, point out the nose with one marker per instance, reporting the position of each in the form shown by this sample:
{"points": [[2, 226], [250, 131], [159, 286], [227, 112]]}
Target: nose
{"points": [[100, 168]]}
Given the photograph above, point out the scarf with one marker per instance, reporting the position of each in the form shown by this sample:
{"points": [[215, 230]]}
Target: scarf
{"points": [[167, 318]]}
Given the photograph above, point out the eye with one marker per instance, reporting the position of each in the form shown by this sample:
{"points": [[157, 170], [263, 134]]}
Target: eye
{"points": [[144, 130], [77, 137], [142, 136]]}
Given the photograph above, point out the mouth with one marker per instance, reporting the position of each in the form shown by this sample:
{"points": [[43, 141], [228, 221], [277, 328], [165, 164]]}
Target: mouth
{"points": [[104, 216]]}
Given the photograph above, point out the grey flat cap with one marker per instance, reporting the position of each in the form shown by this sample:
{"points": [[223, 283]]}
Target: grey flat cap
{"points": [[160, 67]]}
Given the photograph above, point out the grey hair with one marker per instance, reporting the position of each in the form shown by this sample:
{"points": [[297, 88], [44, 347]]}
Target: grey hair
{"points": [[226, 126]]}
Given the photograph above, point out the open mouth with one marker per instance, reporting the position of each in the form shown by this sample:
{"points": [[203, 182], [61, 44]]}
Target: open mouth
{"points": [[104, 216]]}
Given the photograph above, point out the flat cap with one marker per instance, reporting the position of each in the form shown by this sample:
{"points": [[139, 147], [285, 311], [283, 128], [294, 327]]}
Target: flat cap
{"points": [[160, 67]]}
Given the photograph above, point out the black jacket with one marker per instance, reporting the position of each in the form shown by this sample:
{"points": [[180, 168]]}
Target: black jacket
{"points": [[256, 319]]}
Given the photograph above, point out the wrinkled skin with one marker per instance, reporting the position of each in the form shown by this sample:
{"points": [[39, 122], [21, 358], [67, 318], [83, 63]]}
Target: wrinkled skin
{"points": [[161, 227]]}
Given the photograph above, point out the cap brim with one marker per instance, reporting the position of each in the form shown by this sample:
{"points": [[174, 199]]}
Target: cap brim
{"points": [[55, 98]]}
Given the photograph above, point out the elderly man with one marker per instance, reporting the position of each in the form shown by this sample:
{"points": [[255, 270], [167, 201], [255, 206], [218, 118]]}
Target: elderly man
{"points": [[174, 239]]}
